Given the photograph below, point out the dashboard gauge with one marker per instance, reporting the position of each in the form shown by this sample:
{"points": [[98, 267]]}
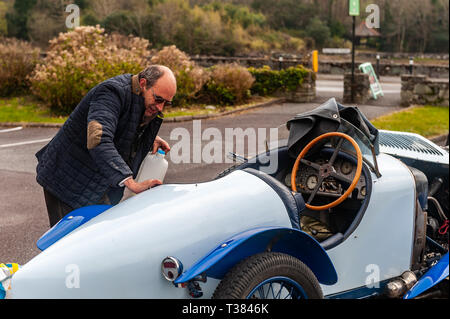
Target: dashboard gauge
{"points": [[311, 182], [363, 191], [346, 167]]}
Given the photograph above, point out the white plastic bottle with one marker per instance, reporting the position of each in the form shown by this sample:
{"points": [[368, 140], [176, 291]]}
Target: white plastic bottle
{"points": [[154, 166]]}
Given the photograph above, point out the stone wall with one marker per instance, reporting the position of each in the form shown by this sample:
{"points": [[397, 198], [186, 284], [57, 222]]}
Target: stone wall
{"points": [[361, 91], [329, 67], [419, 89], [304, 93], [256, 62], [387, 69], [402, 55]]}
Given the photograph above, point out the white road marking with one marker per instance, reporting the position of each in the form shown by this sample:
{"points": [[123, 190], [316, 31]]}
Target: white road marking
{"points": [[337, 89], [331, 86], [11, 129], [25, 143]]}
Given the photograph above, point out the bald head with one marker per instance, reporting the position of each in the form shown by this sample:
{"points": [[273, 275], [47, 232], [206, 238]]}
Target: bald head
{"points": [[153, 73], [160, 82], [168, 78], [167, 72]]}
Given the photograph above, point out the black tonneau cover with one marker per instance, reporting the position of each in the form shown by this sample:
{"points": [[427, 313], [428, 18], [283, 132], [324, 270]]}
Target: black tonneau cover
{"points": [[329, 117]]}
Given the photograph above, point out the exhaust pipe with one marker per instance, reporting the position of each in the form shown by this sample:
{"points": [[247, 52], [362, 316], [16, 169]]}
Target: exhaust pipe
{"points": [[399, 286]]}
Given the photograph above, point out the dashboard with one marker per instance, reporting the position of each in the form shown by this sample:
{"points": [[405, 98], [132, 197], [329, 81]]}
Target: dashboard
{"points": [[307, 179]]}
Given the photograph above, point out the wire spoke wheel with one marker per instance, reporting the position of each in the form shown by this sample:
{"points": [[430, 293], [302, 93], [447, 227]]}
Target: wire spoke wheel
{"points": [[278, 288], [269, 275]]}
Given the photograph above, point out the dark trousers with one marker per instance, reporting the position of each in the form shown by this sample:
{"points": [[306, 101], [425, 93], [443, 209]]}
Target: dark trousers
{"points": [[56, 209]]}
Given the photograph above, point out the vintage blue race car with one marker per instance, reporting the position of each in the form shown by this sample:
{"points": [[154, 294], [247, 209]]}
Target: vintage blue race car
{"points": [[348, 212]]}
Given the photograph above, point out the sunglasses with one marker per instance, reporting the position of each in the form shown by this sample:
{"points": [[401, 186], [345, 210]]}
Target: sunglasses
{"points": [[158, 99]]}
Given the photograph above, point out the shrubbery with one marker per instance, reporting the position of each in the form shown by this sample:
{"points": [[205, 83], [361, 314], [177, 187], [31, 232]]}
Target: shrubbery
{"points": [[17, 60], [190, 77], [229, 84], [268, 81], [221, 84], [78, 60]]}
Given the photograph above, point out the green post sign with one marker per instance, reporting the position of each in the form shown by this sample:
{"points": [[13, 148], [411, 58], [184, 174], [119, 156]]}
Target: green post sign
{"points": [[353, 7], [375, 86]]}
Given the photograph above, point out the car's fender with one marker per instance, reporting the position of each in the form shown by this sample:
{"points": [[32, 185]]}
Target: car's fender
{"points": [[276, 239], [431, 278], [69, 223]]}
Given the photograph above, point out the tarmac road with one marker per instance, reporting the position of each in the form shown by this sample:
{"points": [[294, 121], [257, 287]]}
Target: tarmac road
{"points": [[329, 85], [23, 215]]}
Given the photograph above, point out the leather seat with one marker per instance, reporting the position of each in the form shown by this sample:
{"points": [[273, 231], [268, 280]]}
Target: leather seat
{"points": [[293, 202]]}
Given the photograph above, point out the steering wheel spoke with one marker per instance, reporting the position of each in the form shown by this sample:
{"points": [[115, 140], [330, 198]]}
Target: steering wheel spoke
{"points": [[341, 178], [316, 189], [311, 164], [336, 151]]}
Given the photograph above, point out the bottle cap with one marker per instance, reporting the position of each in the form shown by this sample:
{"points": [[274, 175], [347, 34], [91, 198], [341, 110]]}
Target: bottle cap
{"points": [[160, 151]]}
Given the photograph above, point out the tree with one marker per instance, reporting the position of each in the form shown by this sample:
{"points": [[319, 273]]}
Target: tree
{"points": [[47, 20], [121, 21], [3, 24], [18, 18], [439, 37], [286, 14], [318, 31]]}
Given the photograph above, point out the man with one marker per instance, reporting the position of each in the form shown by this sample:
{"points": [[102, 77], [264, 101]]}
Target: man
{"points": [[99, 149]]}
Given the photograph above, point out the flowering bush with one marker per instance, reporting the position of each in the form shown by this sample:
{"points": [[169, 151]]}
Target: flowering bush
{"points": [[80, 59], [17, 60], [190, 77], [229, 84]]}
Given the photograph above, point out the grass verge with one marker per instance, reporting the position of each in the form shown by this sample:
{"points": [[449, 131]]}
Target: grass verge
{"points": [[202, 109], [26, 109], [428, 121]]}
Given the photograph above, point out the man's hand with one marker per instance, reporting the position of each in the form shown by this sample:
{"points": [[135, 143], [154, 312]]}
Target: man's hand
{"points": [[160, 143], [137, 188]]}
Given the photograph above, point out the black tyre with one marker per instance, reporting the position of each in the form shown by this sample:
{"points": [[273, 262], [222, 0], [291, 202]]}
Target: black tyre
{"points": [[269, 276]]}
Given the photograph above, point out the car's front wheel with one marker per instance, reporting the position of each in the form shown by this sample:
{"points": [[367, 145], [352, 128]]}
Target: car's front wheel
{"points": [[269, 276]]}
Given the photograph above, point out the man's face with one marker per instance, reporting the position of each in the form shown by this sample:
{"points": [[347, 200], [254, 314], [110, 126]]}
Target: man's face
{"points": [[158, 96]]}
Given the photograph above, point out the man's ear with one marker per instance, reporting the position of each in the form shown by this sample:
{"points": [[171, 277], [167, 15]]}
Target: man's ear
{"points": [[143, 84]]}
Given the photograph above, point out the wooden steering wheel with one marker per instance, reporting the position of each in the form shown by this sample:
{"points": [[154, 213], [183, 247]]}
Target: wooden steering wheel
{"points": [[327, 169]]}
